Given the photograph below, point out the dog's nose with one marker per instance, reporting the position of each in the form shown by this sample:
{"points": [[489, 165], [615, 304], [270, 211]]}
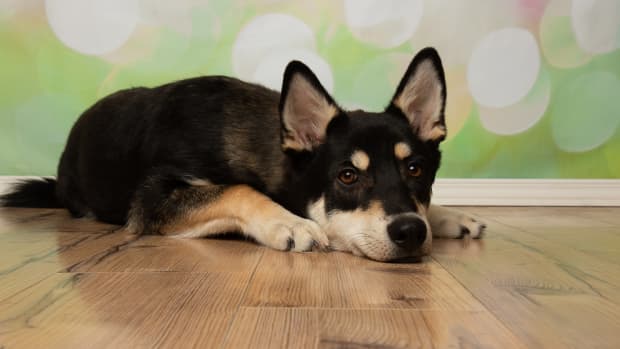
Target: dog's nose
{"points": [[407, 233]]}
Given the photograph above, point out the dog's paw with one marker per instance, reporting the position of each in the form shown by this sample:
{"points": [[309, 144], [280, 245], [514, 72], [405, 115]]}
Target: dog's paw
{"points": [[293, 234], [446, 223]]}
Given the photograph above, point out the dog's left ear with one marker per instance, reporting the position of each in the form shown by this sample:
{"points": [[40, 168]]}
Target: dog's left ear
{"points": [[421, 96], [305, 109]]}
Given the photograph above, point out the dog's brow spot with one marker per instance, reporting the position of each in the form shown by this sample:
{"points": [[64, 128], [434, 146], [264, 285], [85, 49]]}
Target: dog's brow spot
{"points": [[360, 160], [402, 150]]}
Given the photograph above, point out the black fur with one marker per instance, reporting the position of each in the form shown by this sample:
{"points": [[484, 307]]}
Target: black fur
{"points": [[385, 181], [32, 193]]}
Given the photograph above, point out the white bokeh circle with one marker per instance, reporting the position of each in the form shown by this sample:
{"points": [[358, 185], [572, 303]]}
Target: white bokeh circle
{"points": [[176, 15], [503, 67], [270, 69], [454, 27], [558, 42], [520, 116], [92, 27], [596, 24], [266, 34], [586, 112], [383, 23]]}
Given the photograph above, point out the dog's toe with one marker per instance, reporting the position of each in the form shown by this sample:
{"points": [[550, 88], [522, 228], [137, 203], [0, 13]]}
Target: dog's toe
{"points": [[294, 234], [464, 232], [447, 223], [476, 229], [481, 230]]}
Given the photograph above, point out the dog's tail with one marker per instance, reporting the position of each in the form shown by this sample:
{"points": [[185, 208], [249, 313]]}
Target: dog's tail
{"points": [[36, 193]]}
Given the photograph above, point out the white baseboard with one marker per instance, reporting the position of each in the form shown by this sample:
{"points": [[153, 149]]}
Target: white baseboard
{"points": [[527, 192], [506, 192]]}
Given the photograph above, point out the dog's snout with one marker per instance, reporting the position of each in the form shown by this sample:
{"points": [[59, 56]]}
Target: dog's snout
{"points": [[407, 233]]}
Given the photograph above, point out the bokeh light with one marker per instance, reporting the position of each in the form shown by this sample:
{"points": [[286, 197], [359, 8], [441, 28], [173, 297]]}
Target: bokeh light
{"points": [[383, 23], [596, 24], [557, 38], [503, 67], [586, 112], [92, 27], [264, 35], [522, 115], [271, 68]]}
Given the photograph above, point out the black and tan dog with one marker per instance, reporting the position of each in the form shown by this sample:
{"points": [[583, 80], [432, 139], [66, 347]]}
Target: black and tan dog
{"points": [[210, 155]]}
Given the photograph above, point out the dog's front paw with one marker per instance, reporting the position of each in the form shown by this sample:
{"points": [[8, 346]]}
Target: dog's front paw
{"points": [[446, 223], [293, 234]]}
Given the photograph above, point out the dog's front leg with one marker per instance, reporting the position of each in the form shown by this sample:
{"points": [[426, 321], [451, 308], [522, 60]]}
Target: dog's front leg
{"points": [[206, 209], [448, 223]]}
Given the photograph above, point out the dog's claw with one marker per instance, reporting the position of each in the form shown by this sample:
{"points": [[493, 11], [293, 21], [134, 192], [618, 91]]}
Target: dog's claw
{"points": [[317, 246], [290, 244], [464, 231]]}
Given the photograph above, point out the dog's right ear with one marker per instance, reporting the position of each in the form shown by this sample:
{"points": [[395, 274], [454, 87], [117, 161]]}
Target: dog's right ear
{"points": [[305, 109]]}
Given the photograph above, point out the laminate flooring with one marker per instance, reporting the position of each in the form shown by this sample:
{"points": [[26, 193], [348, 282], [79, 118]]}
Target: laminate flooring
{"points": [[541, 278]]}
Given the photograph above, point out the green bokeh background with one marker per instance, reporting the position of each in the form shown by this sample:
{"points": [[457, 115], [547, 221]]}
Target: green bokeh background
{"points": [[45, 86]]}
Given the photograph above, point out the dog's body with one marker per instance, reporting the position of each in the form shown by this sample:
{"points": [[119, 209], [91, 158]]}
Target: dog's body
{"points": [[211, 155]]}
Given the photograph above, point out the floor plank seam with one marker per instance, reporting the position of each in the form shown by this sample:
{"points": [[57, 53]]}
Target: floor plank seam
{"points": [[306, 307], [488, 310], [558, 262], [241, 300]]}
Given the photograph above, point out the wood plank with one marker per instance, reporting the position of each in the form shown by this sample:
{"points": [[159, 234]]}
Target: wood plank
{"points": [[557, 217], [123, 310], [49, 220], [549, 295], [547, 277], [342, 280], [165, 254], [267, 327], [30, 257]]}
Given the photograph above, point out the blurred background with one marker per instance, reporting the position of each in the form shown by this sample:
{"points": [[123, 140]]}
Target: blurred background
{"points": [[533, 85]]}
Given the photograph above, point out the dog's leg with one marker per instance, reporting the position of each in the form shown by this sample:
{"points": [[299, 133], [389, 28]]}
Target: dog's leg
{"points": [[199, 209], [447, 223]]}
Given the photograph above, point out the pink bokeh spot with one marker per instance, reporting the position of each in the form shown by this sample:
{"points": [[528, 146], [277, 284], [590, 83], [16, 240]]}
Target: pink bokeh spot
{"points": [[532, 10]]}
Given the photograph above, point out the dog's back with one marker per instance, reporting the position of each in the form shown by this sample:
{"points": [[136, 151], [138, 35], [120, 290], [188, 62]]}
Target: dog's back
{"points": [[203, 127]]}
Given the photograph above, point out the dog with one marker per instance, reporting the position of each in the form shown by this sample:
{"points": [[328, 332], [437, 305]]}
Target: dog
{"points": [[292, 170]]}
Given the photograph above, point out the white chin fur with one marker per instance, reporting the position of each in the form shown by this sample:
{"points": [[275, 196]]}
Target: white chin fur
{"points": [[361, 232]]}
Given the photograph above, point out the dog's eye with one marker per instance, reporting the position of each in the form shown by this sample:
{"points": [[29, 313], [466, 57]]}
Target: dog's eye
{"points": [[347, 176], [414, 170]]}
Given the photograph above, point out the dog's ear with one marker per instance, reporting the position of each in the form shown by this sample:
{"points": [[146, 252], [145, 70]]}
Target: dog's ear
{"points": [[421, 96], [305, 109]]}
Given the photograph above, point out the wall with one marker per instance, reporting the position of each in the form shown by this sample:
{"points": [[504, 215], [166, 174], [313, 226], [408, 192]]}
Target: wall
{"points": [[533, 85]]}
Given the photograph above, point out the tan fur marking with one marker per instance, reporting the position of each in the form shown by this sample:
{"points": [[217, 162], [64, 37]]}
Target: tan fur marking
{"points": [[360, 160], [243, 209], [240, 203], [216, 226], [402, 150], [436, 133]]}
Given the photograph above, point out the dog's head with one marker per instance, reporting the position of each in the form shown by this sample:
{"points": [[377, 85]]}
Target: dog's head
{"points": [[371, 173]]}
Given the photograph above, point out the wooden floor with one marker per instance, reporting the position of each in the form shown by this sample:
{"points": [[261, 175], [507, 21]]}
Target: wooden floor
{"points": [[542, 277]]}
